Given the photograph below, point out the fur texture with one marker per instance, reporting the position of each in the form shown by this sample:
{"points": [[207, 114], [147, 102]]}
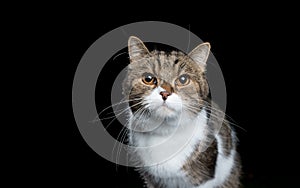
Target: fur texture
{"points": [[179, 137]]}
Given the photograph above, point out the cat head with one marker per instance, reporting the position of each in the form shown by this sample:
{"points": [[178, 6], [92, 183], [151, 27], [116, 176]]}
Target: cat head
{"points": [[166, 85]]}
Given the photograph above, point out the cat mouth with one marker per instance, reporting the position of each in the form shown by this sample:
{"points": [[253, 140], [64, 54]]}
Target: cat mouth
{"points": [[166, 111], [166, 106]]}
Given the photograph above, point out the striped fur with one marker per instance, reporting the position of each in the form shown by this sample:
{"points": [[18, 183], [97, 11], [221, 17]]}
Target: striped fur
{"points": [[180, 139]]}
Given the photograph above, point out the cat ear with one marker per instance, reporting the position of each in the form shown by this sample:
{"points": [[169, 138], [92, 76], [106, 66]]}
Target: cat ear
{"points": [[136, 48], [200, 54]]}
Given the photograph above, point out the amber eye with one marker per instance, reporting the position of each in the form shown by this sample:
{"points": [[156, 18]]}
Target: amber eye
{"points": [[149, 79], [183, 80]]}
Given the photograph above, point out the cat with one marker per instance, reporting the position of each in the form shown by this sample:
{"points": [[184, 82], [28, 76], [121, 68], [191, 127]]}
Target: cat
{"points": [[173, 124]]}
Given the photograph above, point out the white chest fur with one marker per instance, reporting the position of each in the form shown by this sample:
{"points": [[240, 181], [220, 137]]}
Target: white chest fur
{"points": [[223, 167], [166, 154], [163, 156]]}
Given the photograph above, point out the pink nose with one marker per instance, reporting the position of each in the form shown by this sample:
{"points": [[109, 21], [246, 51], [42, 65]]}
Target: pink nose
{"points": [[164, 95]]}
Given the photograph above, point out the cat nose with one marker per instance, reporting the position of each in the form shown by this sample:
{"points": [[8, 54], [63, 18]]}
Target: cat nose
{"points": [[164, 95]]}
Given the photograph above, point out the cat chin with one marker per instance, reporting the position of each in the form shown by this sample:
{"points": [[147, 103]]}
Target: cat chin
{"points": [[166, 112]]}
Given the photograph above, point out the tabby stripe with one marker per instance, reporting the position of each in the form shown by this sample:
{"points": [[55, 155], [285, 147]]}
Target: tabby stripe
{"points": [[158, 61], [175, 62], [181, 67], [154, 69]]}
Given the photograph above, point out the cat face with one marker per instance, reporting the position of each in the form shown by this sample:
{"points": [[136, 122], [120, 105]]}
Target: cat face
{"points": [[166, 85]]}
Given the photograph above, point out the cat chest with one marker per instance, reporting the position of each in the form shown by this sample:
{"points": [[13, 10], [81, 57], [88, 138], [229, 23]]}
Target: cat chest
{"points": [[165, 156], [164, 159]]}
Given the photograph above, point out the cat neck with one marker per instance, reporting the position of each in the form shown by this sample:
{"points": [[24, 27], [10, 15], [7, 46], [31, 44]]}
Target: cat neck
{"points": [[167, 126], [156, 147], [184, 127]]}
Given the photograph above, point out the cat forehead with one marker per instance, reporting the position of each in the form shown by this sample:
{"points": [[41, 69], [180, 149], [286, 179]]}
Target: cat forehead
{"points": [[166, 66], [167, 60], [165, 63], [170, 54], [172, 64]]}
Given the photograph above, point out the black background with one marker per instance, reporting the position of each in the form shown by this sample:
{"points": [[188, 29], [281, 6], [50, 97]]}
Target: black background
{"points": [[253, 49]]}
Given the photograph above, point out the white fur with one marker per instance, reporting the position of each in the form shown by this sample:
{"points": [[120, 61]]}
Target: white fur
{"points": [[169, 108], [165, 155], [164, 149], [223, 167]]}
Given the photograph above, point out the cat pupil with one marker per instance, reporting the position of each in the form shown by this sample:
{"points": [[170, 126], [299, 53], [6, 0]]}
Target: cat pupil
{"points": [[148, 78], [183, 79]]}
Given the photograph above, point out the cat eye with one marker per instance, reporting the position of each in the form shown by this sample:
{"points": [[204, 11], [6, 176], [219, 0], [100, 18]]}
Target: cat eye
{"points": [[149, 79], [183, 80]]}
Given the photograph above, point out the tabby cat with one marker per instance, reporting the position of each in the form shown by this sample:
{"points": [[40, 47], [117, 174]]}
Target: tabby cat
{"points": [[176, 130]]}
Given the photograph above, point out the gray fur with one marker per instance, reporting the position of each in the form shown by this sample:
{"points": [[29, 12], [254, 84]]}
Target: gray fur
{"points": [[200, 166]]}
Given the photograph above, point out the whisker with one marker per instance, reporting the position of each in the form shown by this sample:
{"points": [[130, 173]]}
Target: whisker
{"points": [[119, 55], [119, 150], [119, 103], [213, 111], [117, 116], [116, 141], [122, 111]]}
